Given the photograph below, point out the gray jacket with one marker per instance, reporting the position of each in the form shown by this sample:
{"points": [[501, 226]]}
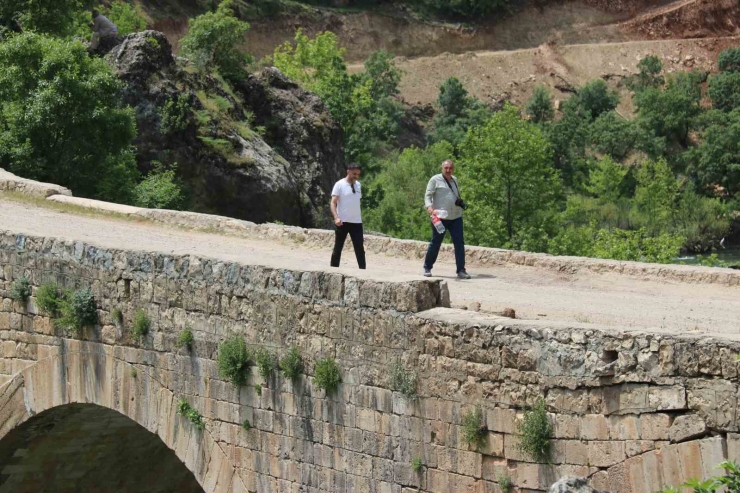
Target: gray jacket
{"points": [[440, 196]]}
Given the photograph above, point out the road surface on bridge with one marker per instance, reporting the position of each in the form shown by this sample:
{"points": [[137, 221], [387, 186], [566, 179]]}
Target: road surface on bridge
{"points": [[603, 299]]}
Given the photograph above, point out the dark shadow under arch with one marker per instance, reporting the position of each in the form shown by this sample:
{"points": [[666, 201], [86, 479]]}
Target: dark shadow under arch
{"points": [[88, 448]]}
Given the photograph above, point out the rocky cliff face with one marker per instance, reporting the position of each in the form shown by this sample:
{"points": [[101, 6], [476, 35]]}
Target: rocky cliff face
{"points": [[298, 126], [213, 135]]}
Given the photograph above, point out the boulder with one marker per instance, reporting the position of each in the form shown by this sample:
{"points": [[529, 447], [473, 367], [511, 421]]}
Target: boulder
{"points": [[225, 165], [298, 125], [572, 485], [687, 427]]}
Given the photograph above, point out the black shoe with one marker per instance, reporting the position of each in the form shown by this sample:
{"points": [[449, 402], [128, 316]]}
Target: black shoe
{"points": [[463, 275], [427, 272]]}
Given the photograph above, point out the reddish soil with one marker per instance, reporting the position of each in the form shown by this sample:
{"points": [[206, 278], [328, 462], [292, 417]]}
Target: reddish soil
{"points": [[688, 19]]}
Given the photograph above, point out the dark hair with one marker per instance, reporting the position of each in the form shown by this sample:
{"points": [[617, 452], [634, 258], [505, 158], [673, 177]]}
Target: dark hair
{"points": [[352, 166], [95, 13]]}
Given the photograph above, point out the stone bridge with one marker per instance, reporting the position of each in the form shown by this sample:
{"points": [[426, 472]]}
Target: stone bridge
{"points": [[632, 408]]}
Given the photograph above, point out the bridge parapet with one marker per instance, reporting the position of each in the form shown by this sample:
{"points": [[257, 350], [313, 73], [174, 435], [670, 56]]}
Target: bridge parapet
{"points": [[632, 410]]}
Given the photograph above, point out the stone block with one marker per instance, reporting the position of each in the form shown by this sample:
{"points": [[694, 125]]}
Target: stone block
{"points": [[566, 426], [687, 427], [667, 398], [623, 427], [594, 427], [600, 481], [712, 452], [605, 454], [501, 420], [733, 447], [576, 452], [654, 426], [637, 447]]}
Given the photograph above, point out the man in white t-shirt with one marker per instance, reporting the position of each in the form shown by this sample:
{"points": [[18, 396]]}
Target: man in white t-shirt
{"points": [[345, 207]]}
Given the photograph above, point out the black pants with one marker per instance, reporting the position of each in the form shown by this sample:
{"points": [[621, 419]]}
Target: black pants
{"points": [[354, 230]]}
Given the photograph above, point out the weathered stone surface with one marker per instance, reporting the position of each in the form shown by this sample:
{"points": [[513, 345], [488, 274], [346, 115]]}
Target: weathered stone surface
{"points": [[687, 427], [572, 485]]}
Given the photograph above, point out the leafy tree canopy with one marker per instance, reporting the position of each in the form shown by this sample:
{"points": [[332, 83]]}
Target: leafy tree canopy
{"points": [[61, 118], [508, 178], [213, 41], [57, 17]]}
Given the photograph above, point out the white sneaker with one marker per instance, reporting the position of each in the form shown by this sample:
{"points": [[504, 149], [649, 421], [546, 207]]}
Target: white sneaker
{"points": [[427, 272]]}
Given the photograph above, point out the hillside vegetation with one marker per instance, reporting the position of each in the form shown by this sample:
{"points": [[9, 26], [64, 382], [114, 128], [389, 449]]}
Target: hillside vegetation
{"points": [[579, 179]]}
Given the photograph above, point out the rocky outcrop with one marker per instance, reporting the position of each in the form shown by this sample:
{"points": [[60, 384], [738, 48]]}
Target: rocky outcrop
{"points": [[199, 125], [298, 126]]}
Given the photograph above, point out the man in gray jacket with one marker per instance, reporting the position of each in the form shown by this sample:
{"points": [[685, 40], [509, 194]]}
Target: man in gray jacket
{"points": [[443, 193], [102, 27]]}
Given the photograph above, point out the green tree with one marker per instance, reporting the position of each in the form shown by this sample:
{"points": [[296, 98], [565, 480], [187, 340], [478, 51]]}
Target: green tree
{"points": [[716, 161], [605, 180], [508, 178], [56, 17], [617, 137], [702, 221], [540, 107], [671, 112], [61, 118], [213, 41], [383, 74], [360, 103], [729, 60], [724, 90], [649, 68], [400, 213], [127, 17], [655, 194], [568, 138], [458, 113], [596, 98]]}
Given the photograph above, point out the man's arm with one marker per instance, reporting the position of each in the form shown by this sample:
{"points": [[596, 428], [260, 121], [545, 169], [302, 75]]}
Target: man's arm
{"points": [[334, 203], [429, 196]]}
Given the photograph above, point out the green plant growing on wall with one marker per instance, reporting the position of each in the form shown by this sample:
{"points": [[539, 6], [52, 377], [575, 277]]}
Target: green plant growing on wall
{"points": [[190, 413], [292, 364], [20, 290], [505, 483], [327, 375], [116, 315], [134, 372], [48, 299], [474, 430], [535, 430], [142, 324], [402, 380], [185, 338], [265, 362], [77, 310], [258, 389], [234, 360], [247, 425], [416, 464]]}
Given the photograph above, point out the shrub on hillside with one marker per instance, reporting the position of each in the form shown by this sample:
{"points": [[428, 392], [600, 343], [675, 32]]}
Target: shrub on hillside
{"points": [[213, 41], [63, 120], [128, 17], [159, 190]]}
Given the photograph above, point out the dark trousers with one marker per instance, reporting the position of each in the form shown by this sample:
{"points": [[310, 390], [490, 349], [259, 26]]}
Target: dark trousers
{"points": [[354, 230], [455, 227]]}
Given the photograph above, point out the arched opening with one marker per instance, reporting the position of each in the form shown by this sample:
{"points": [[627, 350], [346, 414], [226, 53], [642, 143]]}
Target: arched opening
{"points": [[85, 447]]}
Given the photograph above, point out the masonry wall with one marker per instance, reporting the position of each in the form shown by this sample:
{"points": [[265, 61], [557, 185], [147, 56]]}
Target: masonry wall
{"points": [[631, 410]]}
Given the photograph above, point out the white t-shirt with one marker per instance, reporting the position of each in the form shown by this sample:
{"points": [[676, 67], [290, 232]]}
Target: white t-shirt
{"points": [[348, 206]]}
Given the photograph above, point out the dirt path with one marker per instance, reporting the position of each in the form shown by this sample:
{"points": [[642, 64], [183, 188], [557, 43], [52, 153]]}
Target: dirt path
{"points": [[608, 300]]}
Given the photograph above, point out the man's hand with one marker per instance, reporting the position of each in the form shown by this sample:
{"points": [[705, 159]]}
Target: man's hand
{"points": [[338, 222], [430, 210]]}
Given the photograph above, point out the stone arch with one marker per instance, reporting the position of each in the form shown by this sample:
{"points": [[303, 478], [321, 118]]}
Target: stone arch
{"points": [[100, 375]]}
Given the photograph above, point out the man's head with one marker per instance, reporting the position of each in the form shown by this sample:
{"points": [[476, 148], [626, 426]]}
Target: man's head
{"points": [[95, 13], [448, 167], [354, 171]]}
